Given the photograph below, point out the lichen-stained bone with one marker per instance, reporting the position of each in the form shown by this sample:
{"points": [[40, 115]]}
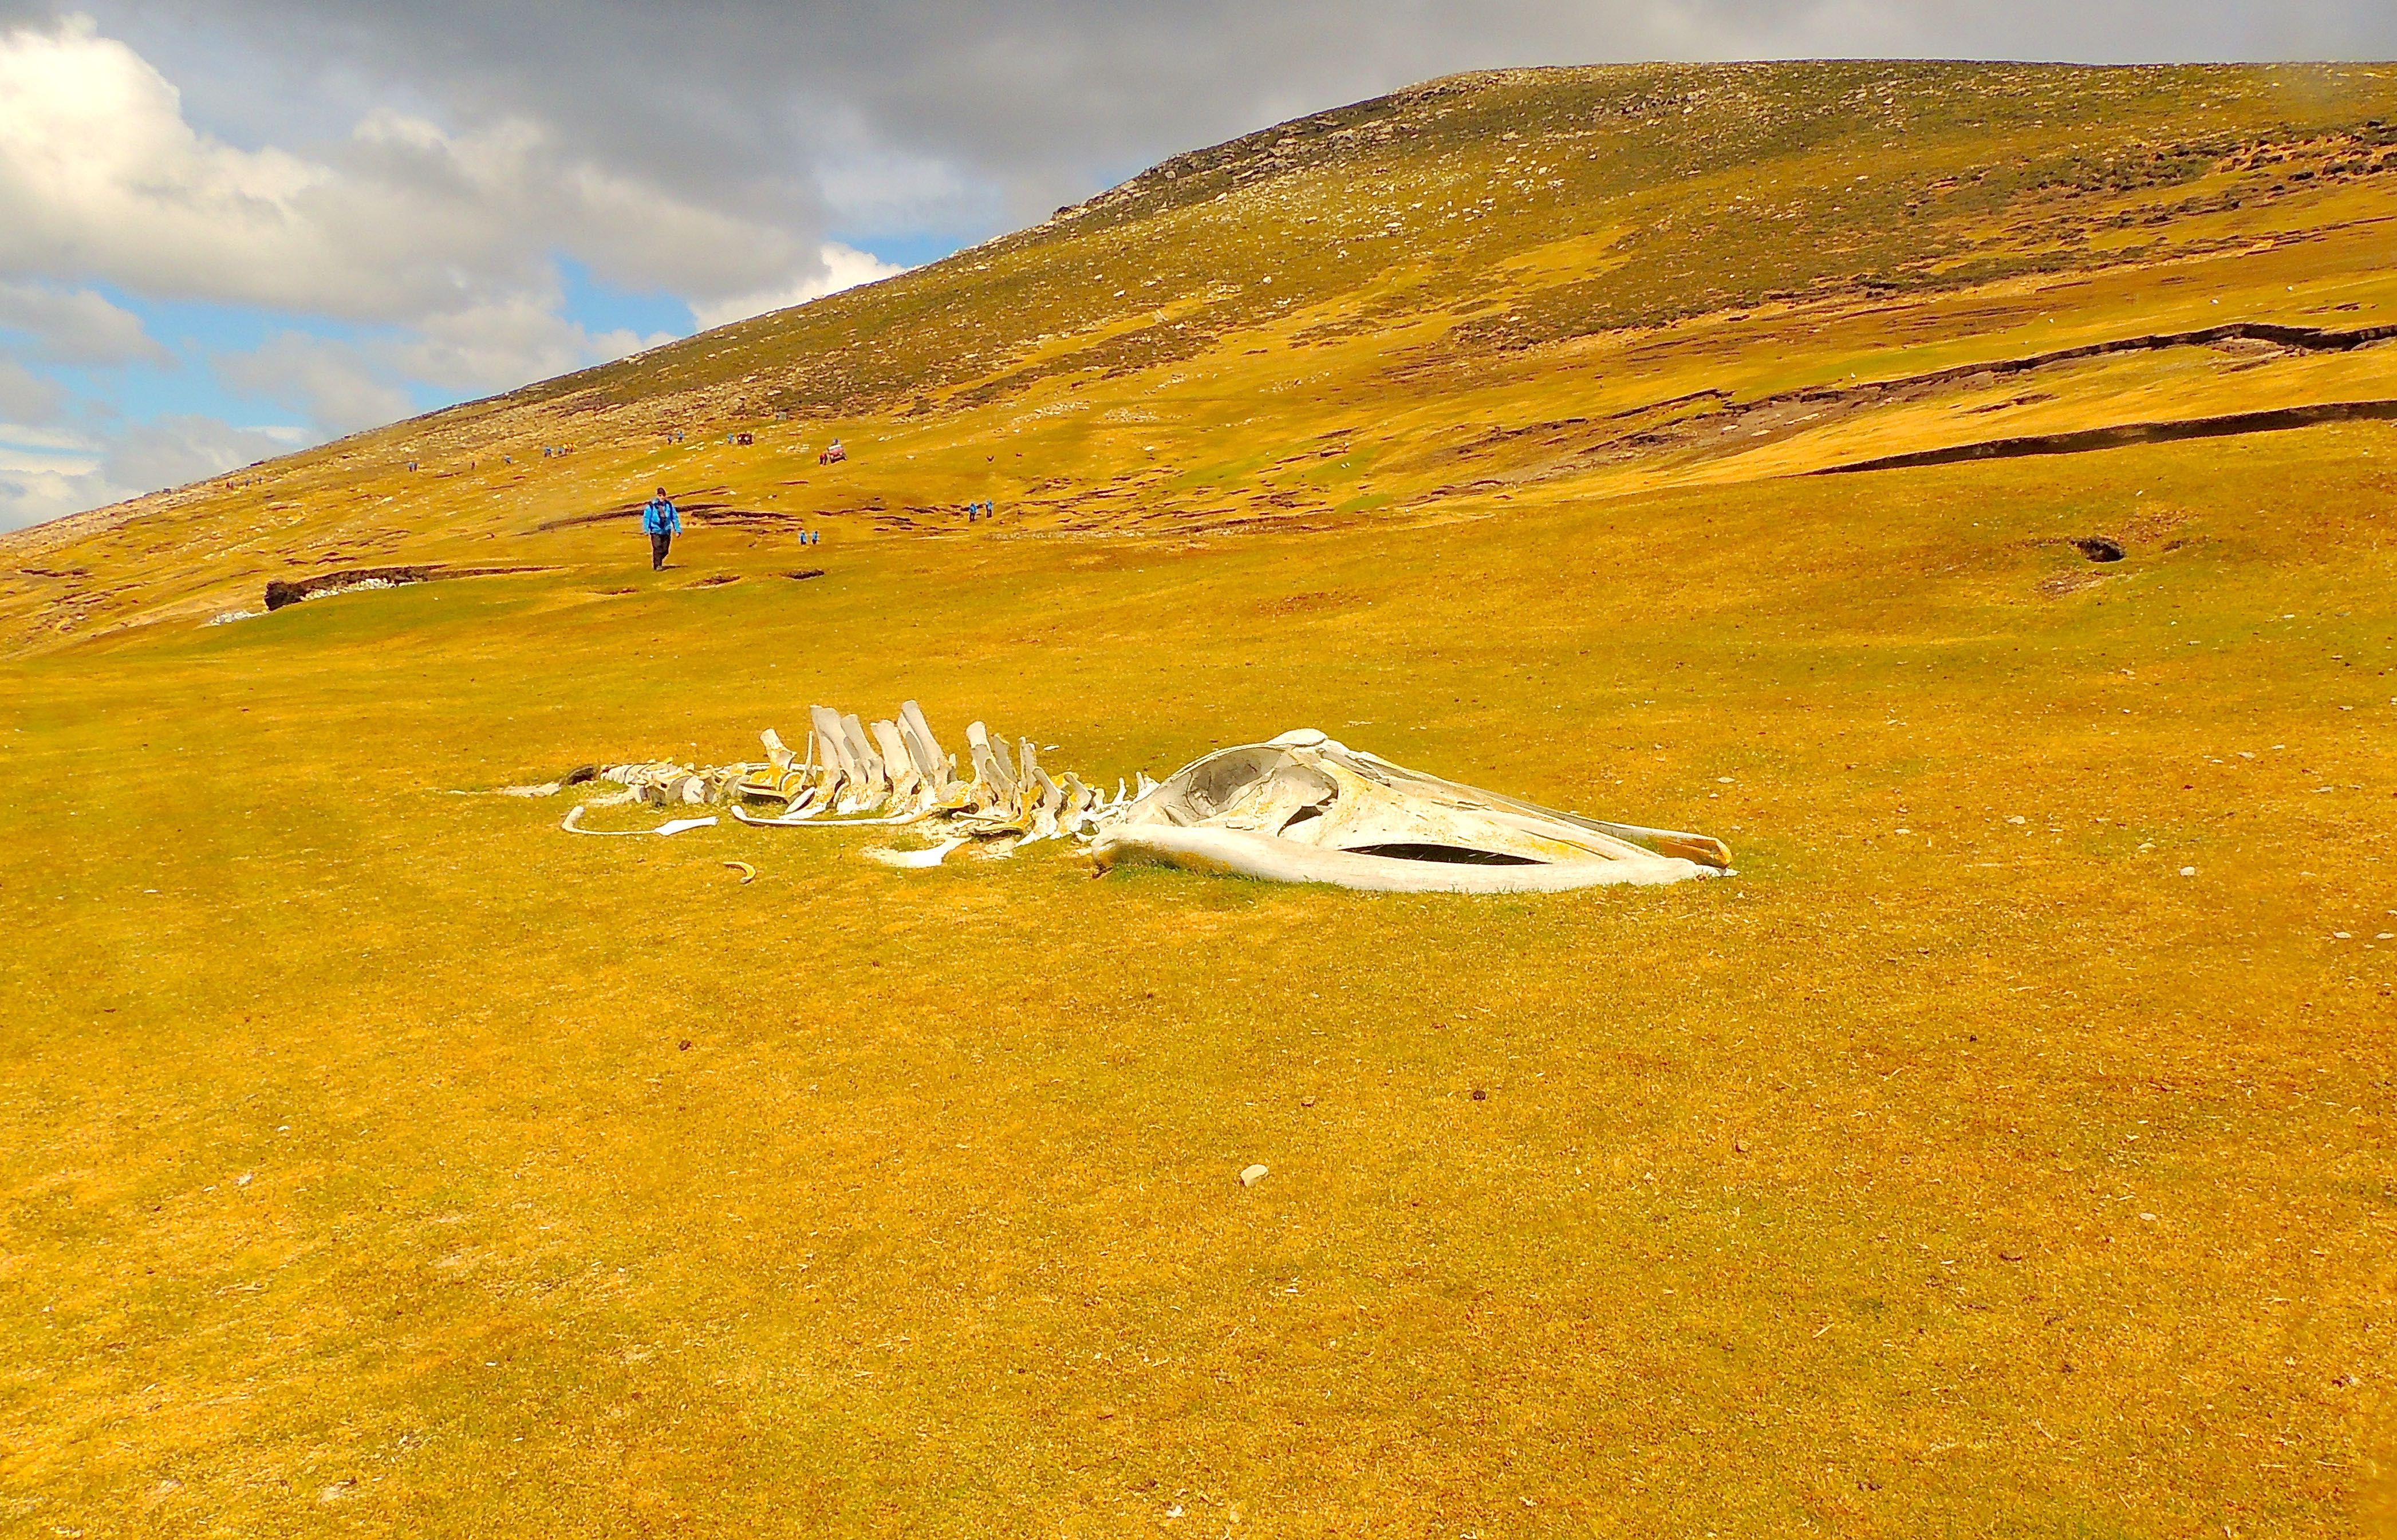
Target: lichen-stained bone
{"points": [[1302, 807]]}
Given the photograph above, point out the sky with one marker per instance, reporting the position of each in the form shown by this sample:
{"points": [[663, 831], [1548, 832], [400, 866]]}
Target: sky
{"points": [[233, 228]]}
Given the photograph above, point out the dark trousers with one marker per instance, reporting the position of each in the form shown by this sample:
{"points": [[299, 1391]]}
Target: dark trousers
{"points": [[659, 541]]}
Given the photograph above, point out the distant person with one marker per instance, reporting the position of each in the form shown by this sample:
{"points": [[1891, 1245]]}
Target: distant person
{"points": [[662, 524]]}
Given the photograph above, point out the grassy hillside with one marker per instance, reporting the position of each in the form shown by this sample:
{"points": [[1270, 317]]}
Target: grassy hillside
{"points": [[2008, 1149], [1596, 281]]}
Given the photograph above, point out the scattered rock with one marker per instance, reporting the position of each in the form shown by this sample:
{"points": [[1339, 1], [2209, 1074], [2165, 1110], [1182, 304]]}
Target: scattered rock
{"points": [[1251, 1176]]}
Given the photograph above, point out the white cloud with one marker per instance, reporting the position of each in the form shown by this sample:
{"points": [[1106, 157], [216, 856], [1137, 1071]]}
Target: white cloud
{"points": [[839, 267], [345, 384], [499, 346], [26, 395], [47, 473], [173, 451], [31, 448], [101, 177], [99, 173], [77, 327], [328, 379]]}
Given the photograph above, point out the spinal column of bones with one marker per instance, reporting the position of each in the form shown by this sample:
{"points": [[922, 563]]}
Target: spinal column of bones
{"points": [[896, 772]]}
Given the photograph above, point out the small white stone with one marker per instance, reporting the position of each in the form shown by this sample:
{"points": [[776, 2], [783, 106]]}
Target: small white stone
{"points": [[1251, 1176], [2189, 871]]}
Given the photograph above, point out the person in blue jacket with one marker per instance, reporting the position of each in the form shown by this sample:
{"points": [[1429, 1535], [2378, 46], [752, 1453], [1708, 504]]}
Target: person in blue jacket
{"points": [[662, 523]]}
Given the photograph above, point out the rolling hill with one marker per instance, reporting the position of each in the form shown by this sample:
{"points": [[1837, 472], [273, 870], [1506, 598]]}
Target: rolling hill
{"points": [[1575, 283]]}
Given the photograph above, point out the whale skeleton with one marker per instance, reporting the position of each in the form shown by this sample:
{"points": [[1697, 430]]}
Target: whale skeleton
{"points": [[1300, 808]]}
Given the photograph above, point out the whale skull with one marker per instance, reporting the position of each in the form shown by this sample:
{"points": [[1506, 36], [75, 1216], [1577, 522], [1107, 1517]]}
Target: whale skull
{"points": [[1304, 808]]}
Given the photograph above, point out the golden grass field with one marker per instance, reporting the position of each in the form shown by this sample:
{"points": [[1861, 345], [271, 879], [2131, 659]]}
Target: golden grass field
{"points": [[2008, 1149]]}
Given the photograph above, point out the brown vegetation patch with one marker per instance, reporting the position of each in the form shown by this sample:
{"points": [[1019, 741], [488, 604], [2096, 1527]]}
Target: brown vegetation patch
{"points": [[2278, 420], [2058, 585], [1305, 603]]}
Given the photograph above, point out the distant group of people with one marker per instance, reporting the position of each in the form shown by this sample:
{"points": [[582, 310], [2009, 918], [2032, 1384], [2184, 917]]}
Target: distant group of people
{"points": [[980, 510]]}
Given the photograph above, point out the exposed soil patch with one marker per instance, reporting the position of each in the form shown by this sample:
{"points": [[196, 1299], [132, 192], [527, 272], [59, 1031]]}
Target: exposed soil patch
{"points": [[751, 518], [1710, 422], [2276, 420], [2158, 527], [1301, 604], [2099, 548], [804, 573], [288, 591], [700, 505], [717, 579]]}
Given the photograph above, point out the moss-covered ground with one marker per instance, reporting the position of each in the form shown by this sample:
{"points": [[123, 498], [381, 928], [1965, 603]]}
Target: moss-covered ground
{"points": [[2009, 1149]]}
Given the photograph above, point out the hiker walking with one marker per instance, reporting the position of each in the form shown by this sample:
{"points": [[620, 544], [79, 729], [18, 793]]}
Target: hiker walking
{"points": [[662, 523]]}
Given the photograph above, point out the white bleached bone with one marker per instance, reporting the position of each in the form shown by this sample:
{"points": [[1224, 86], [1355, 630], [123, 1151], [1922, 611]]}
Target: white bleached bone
{"points": [[573, 824], [1300, 808], [1304, 808], [932, 857]]}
